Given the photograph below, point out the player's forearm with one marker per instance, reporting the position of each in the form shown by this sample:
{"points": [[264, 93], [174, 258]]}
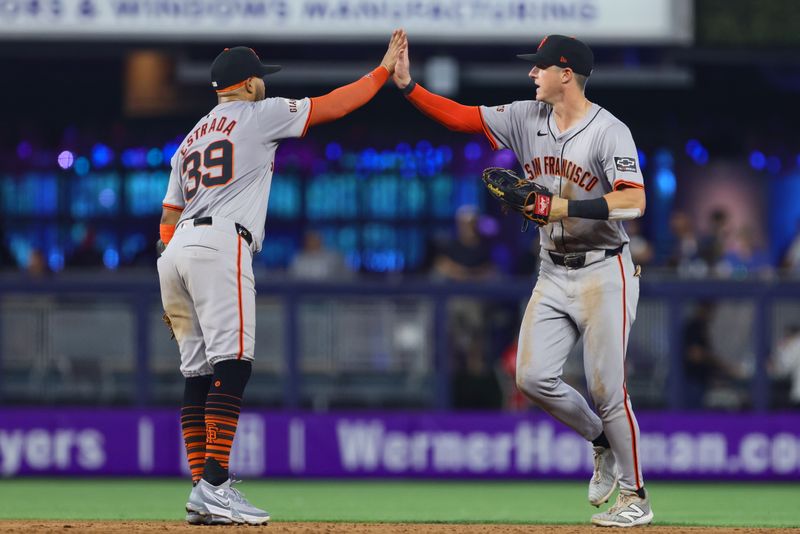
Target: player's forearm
{"points": [[620, 205], [348, 98], [628, 203], [451, 114]]}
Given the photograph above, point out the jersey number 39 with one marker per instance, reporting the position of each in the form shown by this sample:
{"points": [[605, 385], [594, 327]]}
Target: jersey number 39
{"points": [[212, 168]]}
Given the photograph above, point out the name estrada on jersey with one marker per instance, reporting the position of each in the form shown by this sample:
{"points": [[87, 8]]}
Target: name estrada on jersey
{"points": [[224, 165]]}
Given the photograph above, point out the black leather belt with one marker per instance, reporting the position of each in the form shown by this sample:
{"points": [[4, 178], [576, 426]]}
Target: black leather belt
{"points": [[241, 230], [576, 260]]}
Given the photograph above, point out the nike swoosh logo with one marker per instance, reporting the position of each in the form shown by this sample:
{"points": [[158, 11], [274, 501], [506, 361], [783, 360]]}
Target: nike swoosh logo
{"points": [[541, 134], [223, 501]]}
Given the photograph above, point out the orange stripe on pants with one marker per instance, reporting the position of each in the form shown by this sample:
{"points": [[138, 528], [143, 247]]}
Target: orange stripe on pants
{"points": [[624, 388]]}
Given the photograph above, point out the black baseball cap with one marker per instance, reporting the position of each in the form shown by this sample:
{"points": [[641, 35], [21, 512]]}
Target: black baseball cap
{"points": [[234, 65], [564, 52]]}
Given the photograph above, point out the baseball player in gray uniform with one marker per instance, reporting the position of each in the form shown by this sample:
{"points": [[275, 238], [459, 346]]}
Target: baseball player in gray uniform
{"points": [[212, 223], [587, 287]]}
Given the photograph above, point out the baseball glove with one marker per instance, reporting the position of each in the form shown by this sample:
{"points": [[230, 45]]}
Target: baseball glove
{"points": [[518, 194]]}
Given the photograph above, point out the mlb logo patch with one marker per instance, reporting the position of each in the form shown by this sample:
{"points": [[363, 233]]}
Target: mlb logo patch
{"points": [[625, 164]]}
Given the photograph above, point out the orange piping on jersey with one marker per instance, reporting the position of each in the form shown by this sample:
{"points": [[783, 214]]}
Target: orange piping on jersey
{"points": [[449, 113], [347, 98], [308, 119], [621, 184], [239, 288], [487, 133], [171, 207], [624, 387], [232, 87]]}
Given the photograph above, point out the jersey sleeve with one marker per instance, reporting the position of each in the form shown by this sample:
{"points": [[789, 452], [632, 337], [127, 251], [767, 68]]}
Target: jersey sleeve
{"points": [[173, 200], [620, 158], [499, 124], [281, 118]]}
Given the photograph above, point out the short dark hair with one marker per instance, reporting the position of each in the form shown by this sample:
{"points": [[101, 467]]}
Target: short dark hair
{"points": [[581, 80]]}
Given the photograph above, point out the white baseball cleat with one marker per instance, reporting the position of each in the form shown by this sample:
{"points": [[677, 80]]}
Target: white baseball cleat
{"points": [[605, 477], [630, 510]]}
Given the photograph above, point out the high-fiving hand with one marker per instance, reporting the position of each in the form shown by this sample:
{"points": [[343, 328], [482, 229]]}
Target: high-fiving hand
{"points": [[396, 44], [402, 71]]}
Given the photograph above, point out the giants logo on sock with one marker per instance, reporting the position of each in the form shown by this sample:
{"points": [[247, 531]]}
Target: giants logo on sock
{"points": [[211, 432]]}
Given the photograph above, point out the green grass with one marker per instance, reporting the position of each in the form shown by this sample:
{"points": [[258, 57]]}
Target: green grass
{"points": [[766, 505]]}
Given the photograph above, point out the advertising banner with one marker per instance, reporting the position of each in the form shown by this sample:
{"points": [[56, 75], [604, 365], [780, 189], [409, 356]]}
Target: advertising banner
{"points": [[473, 21], [108, 442]]}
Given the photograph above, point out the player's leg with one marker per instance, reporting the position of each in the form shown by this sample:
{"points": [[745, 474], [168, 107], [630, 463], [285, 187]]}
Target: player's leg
{"points": [[605, 312], [546, 337], [197, 372], [220, 278]]}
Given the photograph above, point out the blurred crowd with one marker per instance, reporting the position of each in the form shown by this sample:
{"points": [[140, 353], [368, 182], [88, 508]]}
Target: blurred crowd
{"points": [[470, 253]]}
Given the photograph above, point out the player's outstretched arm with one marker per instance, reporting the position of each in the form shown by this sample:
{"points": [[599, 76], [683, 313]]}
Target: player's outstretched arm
{"points": [[348, 98], [621, 205], [449, 113]]}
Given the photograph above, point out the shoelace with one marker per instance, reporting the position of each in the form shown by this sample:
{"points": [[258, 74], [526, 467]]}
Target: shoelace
{"points": [[238, 495], [623, 501], [597, 455]]}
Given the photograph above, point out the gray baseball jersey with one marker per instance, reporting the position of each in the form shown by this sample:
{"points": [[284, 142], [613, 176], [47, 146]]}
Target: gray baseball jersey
{"points": [[224, 166], [222, 170], [592, 158], [596, 302]]}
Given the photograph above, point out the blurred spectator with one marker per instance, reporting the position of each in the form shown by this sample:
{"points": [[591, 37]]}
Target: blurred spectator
{"points": [[315, 262], [701, 366], [527, 263], [746, 255], [791, 261], [713, 245], [86, 254], [37, 267], [641, 250], [684, 247], [468, 256], [784, 367]]}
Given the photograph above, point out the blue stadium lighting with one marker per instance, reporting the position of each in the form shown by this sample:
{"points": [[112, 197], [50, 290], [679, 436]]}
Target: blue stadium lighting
{"points": [[101, 155], [403, 148], [697, 151], [665, 182], [446, 153], [111, 258], [155, 157], [169, 150], [55, 260], [642, 159], [333, 151], [773, 164], [424, 146], [82, 166], [24, 150], [663, 158], [66, 159], [758, 160], [472, 151], [134, 158], [107, 198]]}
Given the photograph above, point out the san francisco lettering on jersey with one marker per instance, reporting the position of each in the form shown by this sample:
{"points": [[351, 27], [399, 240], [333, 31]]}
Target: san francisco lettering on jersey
{"points": [[562, 167], [216, 124]]}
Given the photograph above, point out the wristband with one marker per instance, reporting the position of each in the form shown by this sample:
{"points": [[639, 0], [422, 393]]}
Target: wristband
{"points": [[595, 208], [166, 231], [408, 88]]}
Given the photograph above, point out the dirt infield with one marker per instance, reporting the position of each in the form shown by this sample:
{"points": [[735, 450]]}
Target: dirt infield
{"points": [[351, 528]]}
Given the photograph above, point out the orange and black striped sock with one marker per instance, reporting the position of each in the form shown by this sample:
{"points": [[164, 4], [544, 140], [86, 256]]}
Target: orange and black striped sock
{"points": [[193, 423], [223, 404]]}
